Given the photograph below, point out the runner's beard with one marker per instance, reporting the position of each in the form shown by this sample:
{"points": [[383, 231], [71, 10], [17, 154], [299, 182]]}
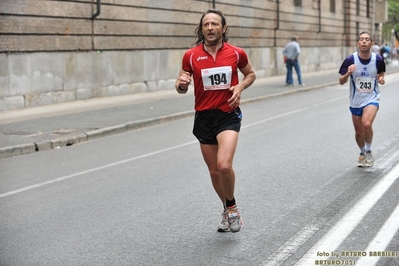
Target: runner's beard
{"points": [[213, 42]]}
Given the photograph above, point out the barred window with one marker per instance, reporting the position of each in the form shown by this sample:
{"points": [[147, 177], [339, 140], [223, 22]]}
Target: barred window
{"points": [[368, 8], [315, 4], [332, 6], [297, 2]]}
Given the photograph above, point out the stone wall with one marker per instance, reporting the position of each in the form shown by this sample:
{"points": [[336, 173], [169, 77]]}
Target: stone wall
{"points": [[54, 51]]}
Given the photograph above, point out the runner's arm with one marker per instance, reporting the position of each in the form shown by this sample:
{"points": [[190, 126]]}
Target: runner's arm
{"points": [[249, 78], [183, 81]]}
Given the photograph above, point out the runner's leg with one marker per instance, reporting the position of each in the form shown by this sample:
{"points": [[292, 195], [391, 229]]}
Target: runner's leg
{"points": [[209, 153], [227, 141], [369, 114]]}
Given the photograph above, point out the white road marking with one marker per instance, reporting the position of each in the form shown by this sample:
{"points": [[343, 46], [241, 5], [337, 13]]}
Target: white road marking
{"points": [[293, 244], [382, 239], [145, 155], [333, 238], [93, 170], [295, 111], [345, 226]]}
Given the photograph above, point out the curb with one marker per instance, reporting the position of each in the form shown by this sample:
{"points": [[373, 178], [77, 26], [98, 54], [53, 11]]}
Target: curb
{"points": [[91, 135], [99, 133]]}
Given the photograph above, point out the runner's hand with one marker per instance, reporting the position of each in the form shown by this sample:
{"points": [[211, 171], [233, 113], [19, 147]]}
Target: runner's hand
{"points": [[381, 80], [351, 69], [234, 100], [184, 80]]}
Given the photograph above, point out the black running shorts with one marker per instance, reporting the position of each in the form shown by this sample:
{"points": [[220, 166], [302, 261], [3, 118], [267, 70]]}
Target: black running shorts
{"points": [[209, 123]]}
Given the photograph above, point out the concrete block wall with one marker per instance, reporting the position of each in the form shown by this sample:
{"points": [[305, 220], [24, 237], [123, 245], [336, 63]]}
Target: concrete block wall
{"points": [[35, 79], [54, 51]]}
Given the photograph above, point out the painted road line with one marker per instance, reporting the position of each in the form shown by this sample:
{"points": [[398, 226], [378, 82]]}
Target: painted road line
{"points": [[382, 240], [17, 191], [387, 161], [336, 235]]}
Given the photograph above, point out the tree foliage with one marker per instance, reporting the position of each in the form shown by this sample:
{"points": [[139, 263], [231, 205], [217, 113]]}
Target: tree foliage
{"points": [[393, 21]]}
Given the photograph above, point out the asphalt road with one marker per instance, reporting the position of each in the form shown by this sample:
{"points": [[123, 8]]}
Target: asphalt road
{"points": [[144, 197]]}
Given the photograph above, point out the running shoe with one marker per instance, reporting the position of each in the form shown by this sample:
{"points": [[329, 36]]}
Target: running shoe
{"points": [[361, 160], [224, 224], [234, 219], [369, 160]]}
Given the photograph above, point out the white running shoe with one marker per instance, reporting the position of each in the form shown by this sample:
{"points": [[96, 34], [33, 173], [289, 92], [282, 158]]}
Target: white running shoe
{"points": [[369, 160], [224, 224], [234, 219], [361, 160]]}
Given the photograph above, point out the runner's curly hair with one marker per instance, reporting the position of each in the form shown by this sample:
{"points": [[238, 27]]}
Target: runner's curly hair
{"points": [[198, 30]]}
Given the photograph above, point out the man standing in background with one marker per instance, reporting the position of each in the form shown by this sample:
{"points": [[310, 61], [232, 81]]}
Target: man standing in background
{"points": [[375, 48], [291, 52]]}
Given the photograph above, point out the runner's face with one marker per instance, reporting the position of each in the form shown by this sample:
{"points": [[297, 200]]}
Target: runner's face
{"points": [[364, 43], [212, 28]]}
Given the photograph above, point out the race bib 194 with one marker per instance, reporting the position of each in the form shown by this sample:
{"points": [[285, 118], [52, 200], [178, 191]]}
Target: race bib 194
{"points": [[365, 84], [217, 78]]}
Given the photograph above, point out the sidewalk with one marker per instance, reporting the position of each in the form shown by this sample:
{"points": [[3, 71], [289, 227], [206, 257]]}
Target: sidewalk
{"points": [[54, 126]]}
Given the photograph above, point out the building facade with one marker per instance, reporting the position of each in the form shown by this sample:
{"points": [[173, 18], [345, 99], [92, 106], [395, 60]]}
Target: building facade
{"points": [[54, 51]]}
